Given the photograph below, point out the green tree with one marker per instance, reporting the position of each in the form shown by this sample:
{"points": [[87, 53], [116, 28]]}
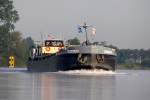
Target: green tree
{"points": [[29, 44], [20, 48], [74, 41], [17, 48], [8, 16]]}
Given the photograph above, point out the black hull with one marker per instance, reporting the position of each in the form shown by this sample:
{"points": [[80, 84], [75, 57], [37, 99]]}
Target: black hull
{"points": [[64, 62]]}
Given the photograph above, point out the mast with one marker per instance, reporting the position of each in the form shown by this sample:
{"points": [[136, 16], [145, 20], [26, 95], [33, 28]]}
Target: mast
{"points": [[85, 26]]}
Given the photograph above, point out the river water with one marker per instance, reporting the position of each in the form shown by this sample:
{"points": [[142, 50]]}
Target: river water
{"points": [[75, 85]]}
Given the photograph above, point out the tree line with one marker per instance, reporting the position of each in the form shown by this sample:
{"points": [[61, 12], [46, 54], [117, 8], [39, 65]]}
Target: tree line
{"points": [[136, 58]]}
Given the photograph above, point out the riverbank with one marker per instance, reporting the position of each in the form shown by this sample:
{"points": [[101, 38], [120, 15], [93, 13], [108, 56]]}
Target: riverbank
{"points": [[132, 67]]}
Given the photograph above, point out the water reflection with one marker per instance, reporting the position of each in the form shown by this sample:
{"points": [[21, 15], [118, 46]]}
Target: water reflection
{"points": [[55, 86], [58, 86], [68, 87]]}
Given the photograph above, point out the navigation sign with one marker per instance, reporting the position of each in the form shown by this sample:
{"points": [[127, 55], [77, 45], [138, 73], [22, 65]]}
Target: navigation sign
{"points": [[11, 62]]}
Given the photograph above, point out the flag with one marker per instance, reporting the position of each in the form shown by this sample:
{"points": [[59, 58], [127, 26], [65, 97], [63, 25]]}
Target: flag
{"points": [[93, 31], [79, 29], [50, 37]]}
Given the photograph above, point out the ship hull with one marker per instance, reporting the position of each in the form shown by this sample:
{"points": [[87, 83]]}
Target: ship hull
{"points": [[64, 62]]}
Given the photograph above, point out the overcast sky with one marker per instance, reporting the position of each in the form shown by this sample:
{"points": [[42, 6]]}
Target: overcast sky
{"points": [[124, 23]]}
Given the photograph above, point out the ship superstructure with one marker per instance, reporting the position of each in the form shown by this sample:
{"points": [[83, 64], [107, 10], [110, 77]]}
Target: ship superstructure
{"points": [[55, 56]]}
